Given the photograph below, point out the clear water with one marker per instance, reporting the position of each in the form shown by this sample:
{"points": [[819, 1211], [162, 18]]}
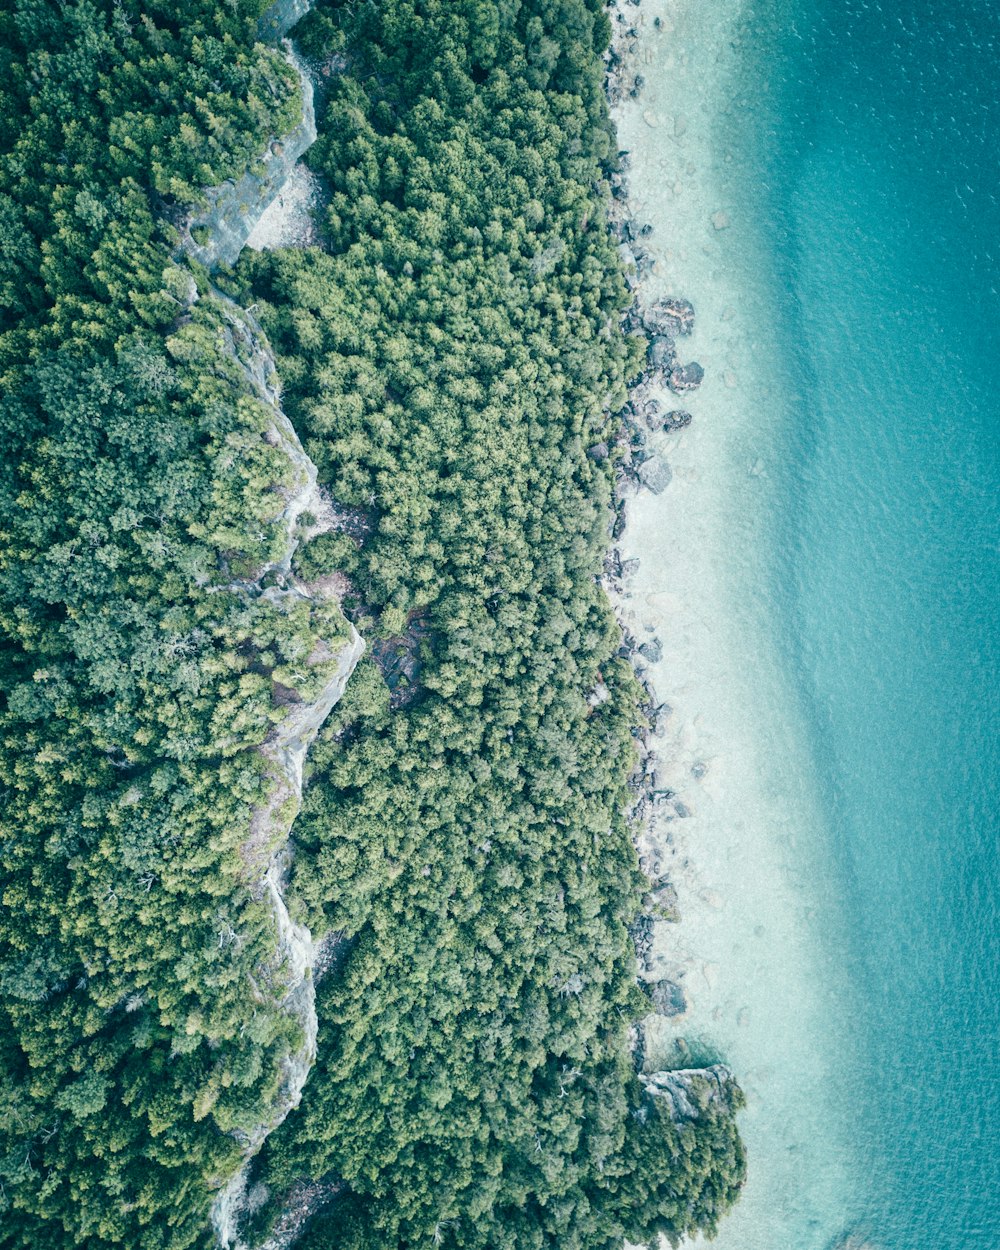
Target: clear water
{"points": [[873, 132]]}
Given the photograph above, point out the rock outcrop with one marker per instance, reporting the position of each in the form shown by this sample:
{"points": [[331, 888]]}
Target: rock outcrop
{"points": [[266, 850], [213, 236], [689, 1093], [217, 233]]}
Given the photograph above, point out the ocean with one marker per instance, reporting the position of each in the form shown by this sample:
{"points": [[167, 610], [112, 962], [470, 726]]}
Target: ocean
{"points": [[823, 177], [884, 214]]}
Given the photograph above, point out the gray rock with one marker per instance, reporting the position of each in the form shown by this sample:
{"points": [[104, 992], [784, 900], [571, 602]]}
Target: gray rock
{"points": [[652, 650], [668, 999], [677, 419], [233, 209], [670, 316], [689, 1092], [598, 452], [662, 354], [684, 378], [655, 473], [653, 413], [664, 900]]}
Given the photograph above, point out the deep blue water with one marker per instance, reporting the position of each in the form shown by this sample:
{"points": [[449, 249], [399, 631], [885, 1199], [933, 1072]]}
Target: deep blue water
{"points": [[878, 150]]}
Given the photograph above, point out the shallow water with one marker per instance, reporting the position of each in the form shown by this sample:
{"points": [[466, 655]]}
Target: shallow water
{"points": [[824, 574]]}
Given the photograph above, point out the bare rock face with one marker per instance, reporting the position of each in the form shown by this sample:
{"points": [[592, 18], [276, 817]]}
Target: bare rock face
{"points": [[279, 18], [689, 1092], [217, 233], [214, 235], [325, 674]]}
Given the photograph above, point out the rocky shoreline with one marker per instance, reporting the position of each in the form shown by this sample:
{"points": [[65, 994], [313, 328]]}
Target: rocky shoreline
{"points": [[641, 453]]}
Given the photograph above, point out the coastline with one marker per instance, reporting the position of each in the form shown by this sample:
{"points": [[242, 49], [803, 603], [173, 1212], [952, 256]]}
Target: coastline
{"points": [[734, 835]]}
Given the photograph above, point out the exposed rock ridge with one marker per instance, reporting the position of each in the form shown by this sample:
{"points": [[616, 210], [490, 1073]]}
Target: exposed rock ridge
{"points": [[234, 208], [216, 235], [286, 746]]}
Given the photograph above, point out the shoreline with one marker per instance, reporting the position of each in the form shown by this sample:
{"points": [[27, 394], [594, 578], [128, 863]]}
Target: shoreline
{"points": [[732, 832]]}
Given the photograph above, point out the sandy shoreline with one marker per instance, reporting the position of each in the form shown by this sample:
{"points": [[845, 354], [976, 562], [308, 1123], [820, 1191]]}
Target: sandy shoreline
{"points": [[736, 827]]}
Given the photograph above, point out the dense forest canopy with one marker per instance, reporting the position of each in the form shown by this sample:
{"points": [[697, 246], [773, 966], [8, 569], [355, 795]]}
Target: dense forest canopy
{"points": [[447, 356]]}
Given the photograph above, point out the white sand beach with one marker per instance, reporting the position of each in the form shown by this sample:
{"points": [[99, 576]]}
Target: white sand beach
{"points": [[743, 842]]}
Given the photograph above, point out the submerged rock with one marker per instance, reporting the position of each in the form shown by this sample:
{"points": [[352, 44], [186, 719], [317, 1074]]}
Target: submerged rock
{"points": [[677, 419], [686, 377], [652, 650], [662, 353], [668, 999], [655, 474]]}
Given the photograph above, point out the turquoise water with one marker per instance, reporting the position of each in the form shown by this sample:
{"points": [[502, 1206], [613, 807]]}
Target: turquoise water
{"points": [[876, 134]]}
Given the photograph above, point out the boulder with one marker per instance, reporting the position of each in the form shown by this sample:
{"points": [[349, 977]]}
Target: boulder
{"points": [[598, 452], [677, 419], [652, 650], [652, 411], [684, 378], [662, 353], [655, 474], [670, 316], [664, 900]]}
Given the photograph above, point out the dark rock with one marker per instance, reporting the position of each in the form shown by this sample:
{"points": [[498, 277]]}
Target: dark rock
{"points": [[662, 353], [670, 316], [677, 419], [682, 809], [684, 378], [619, 525], [598, 452], [664, 900], [653, 413], [655, 473], [668, 999], [652, 650], [645, 230]]}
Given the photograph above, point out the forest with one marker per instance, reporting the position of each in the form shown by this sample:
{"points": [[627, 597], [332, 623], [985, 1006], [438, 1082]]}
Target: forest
{"points": [[447, 355]]}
